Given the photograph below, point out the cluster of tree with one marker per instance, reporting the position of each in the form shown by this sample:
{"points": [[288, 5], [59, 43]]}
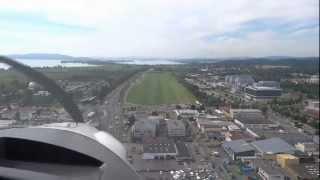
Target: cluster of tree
{"points": [[292, 111], [298, 65], [115, 82], [214, 101], [12, 91], [201, 96], [310, 90], [282, 68], [290, 107]]}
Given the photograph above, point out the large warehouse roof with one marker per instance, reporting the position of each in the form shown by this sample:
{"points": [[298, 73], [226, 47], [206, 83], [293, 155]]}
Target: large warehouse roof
{"points": [[273, 146], [238, 146]]}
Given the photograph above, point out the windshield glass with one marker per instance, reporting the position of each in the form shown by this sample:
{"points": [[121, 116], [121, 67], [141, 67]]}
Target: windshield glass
{"points": [[199, 89]]}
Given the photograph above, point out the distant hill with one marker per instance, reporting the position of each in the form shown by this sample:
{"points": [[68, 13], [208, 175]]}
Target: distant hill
{"points": [[40, 56], [283, 61]]}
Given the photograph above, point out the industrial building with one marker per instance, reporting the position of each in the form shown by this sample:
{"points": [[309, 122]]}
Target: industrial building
{"points": [[145, 127], [234, 113], [236, 135], [251, 118], [239, 149], [176, 128], [284, 160], [254, 120], [187, 113], [159, 149], [183, 152], [263, 90], [207, 125], [273, 146]]}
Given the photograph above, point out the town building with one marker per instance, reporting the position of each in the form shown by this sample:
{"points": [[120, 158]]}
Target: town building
{"points": [[42, 98], [176, 128], [305, 158], [263, 90], [314, 79], [303, 171], [4, 124], [269, 170], [239, 149], [8, 114], [313, 109], [26, 114], [308, 147]]}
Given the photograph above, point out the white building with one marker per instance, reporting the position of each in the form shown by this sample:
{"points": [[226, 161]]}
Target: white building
{"points": [[238, 82], [187, 113], [176, 128]]}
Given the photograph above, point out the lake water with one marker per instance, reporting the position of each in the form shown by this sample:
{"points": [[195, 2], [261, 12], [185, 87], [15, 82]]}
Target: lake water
{"points": [[46, 63], [54, 62], [150, 62]]}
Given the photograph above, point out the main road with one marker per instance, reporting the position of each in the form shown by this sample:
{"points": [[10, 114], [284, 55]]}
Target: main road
{"points": [[110, 115]]}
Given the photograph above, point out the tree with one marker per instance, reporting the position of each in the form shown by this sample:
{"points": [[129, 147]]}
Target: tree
{"points": [[213, 101], [26, 97]]}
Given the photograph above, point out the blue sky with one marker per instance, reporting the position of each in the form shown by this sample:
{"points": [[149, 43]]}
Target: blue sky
{"points": [[280, 28], [161, 28]]}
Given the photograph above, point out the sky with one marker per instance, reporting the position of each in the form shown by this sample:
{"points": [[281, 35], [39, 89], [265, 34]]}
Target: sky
{"points": [[160, 28]]}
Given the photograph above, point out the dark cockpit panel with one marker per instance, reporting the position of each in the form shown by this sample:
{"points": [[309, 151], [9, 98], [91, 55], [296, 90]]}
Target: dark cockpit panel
{"points": [[32, 151]]}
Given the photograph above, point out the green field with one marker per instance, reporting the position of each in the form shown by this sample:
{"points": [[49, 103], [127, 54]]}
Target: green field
{"points": [[159, 88]]}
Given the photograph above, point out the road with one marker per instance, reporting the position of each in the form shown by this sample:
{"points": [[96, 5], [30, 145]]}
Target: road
{"points": [[110, 112]]}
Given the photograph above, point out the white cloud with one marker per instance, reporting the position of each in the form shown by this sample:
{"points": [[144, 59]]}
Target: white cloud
{"points": [[162, 27]]}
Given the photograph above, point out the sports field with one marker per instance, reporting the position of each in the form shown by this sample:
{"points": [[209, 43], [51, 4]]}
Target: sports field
{"points": [[159, 88]]}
